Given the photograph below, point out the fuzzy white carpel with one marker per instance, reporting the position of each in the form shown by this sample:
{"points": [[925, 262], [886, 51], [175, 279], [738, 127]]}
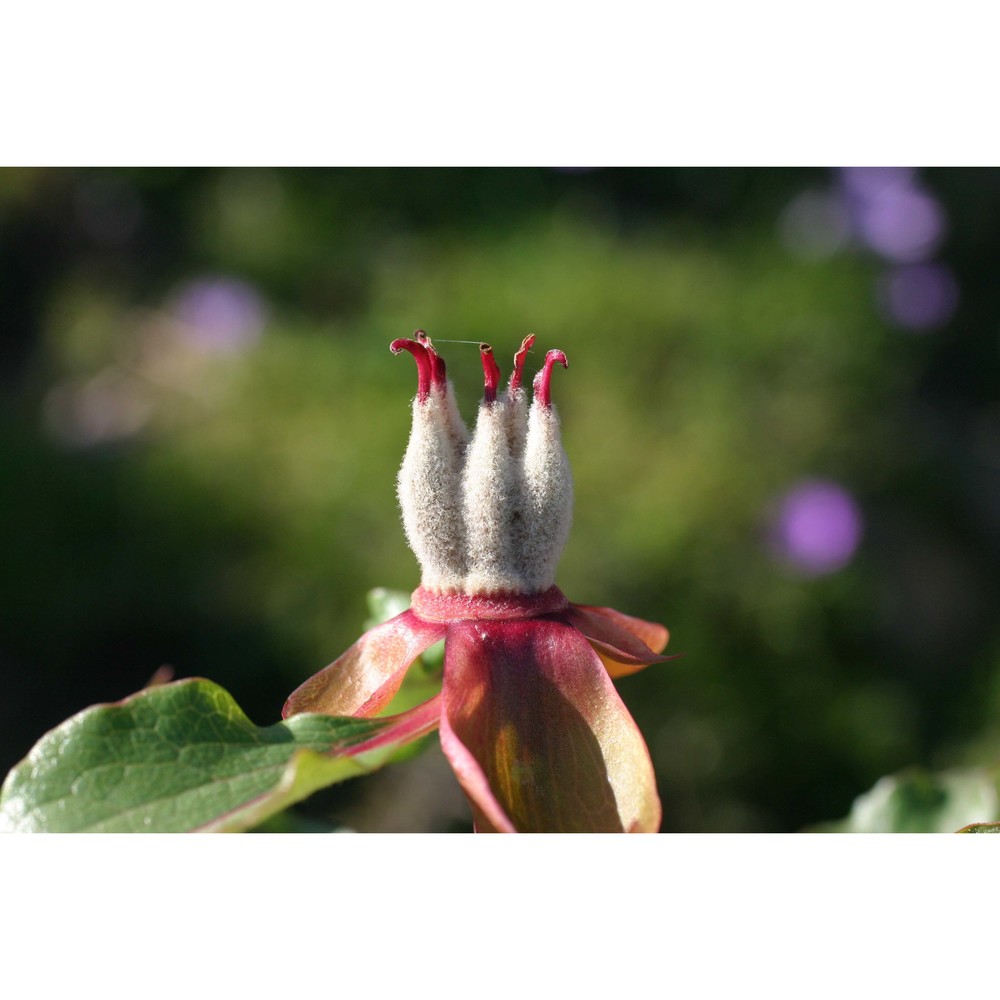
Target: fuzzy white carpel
{"points": [[488, 515]]}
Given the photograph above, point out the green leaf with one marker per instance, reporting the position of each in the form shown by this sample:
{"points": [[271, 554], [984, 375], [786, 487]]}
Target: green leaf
{"points": [[980, 828], [916, 801], [384, 604], [182, 757]]}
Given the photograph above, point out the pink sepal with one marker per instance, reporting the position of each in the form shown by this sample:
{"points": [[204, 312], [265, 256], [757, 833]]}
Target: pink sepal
{"points": [[402, 728], [622, 639], [362, 680]]}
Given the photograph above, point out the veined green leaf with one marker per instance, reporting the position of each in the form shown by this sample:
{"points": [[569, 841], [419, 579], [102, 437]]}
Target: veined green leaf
{"points": [[184, 757]]}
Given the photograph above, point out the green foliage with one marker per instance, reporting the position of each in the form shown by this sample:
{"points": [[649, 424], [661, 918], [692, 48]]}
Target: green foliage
{"points": [[916, 801], [179, 757]]}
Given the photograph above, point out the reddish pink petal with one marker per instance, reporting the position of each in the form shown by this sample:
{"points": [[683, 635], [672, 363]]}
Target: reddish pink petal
{"points": [[402, 728], [624, 644], [363, 680], [537, 735]]}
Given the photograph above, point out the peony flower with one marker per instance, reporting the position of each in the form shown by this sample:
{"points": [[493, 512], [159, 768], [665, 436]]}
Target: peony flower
{"points": [[529, 718]]}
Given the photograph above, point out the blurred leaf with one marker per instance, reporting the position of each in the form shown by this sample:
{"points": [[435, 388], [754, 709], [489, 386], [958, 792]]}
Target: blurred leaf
{"points": [[181, 757], [980, 828], [384, 604], [917, 801]]}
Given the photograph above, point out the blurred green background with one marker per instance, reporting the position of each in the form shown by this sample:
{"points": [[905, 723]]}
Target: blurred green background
{"points": [[782, 411]]}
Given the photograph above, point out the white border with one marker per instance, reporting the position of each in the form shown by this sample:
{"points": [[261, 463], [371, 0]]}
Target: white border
{"points": [[540, 82], [795, 915]]}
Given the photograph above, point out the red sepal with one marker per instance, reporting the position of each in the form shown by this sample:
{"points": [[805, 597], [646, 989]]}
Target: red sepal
{"points": [[537, 735], [625, 644], [362, 680]]}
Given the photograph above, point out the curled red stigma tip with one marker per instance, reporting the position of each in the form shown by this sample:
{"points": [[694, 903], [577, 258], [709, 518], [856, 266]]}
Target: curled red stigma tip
{"points": [[544, 377], [439, 376], [491, 373], [519, 358], [423, 361]]}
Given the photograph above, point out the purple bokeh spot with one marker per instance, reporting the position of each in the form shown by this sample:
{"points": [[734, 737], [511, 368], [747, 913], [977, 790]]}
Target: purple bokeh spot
{"points": [[902, 224], [892, 213], [817, 527], [220, 314], [919, 297], [871, 182]]}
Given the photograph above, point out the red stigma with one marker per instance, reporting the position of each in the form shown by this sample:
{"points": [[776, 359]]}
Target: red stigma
{"points": [[491, 373], [519, 359], [439, 377], [423, 361], [544, 377]]}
